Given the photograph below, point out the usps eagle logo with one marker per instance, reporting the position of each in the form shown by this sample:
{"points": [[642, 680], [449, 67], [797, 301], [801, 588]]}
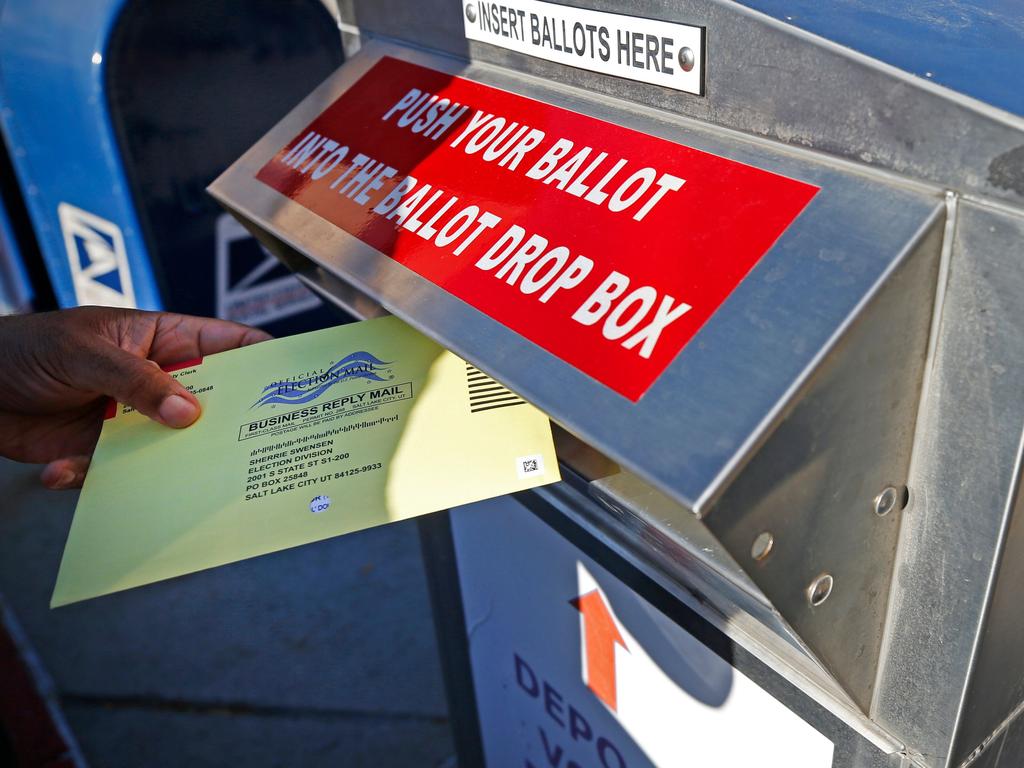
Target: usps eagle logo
{"points": [[96, 258], [311, 385]]}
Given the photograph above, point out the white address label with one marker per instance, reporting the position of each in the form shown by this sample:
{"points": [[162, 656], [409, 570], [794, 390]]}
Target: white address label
{"points": [[658, 52]]}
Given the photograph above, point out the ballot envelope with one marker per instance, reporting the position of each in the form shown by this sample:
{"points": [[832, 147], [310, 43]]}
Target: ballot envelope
{"points": [[300, 439]]}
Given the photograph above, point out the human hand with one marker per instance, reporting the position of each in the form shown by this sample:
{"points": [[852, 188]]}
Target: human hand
{"points": [[56, 369]]}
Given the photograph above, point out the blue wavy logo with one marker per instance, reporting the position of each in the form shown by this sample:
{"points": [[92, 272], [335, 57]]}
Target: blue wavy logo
{"points": [[358, 365]]}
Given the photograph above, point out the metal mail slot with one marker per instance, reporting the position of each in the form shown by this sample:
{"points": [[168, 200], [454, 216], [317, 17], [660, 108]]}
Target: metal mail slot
{"points": [[830, 461]]}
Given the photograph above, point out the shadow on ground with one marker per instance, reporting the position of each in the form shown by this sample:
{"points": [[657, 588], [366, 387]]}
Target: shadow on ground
{"points": [[319, 655]]}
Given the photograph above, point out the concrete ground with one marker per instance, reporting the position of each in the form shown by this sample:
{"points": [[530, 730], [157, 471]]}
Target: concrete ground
{"points": [[319, 655]]}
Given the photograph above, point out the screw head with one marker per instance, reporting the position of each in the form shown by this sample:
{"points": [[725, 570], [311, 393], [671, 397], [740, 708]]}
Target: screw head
{"points": [[471, 12], [762, 546], [820, 589], [886, 501], [687, 58]]}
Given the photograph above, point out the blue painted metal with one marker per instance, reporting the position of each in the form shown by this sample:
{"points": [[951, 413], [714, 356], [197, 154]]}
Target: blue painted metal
{"points": [[15, 287], [53, 111], [975, 47]]}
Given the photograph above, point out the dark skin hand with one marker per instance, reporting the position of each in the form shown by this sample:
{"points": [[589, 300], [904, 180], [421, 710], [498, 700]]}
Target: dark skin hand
{"points": [[57, 370]]}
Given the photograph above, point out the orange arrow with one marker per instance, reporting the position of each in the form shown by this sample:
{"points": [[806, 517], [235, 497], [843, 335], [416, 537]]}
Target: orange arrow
{"points": [[600, 636]]}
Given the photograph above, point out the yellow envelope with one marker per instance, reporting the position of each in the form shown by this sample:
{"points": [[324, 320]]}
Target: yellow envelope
{"points": [[301, 439]]}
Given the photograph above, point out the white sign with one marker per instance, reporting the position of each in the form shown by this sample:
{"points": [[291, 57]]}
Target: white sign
{"points": [[572, 669], [254, 291], [658, 52], [96, 257]]}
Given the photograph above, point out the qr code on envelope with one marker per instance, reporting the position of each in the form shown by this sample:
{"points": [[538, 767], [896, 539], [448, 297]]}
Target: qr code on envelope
{"points": [[528, 466]]}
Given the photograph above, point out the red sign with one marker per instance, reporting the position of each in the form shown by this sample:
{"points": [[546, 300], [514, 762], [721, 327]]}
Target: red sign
{"points": [[605, 246]]}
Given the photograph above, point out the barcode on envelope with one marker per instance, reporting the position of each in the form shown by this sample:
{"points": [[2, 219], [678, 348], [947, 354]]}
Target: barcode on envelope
{"points": [[486, 394], [528, 466]]}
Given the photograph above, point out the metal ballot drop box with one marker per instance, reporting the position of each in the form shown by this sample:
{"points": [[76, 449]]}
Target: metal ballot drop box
{"points": [[795, 542]]}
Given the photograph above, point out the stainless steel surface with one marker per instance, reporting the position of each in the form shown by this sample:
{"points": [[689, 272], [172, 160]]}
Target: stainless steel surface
{"points": [[845, 434], [961, 480], [666, 526], [770, 79], [811, 482]]}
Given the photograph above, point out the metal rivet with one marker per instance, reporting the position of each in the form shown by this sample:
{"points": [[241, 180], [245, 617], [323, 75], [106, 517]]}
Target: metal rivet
{"points": [[820, 589], [471, 12], [687, 58], [886, 501], [762, 546]]}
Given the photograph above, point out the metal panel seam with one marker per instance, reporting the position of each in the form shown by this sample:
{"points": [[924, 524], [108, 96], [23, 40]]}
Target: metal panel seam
{"points": [[945, 256], [1002, 206], [990, 586], [999, 730]]}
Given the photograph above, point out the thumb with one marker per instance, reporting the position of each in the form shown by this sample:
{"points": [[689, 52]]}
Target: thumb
{"points": [[68, 472], [141, 384]]}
